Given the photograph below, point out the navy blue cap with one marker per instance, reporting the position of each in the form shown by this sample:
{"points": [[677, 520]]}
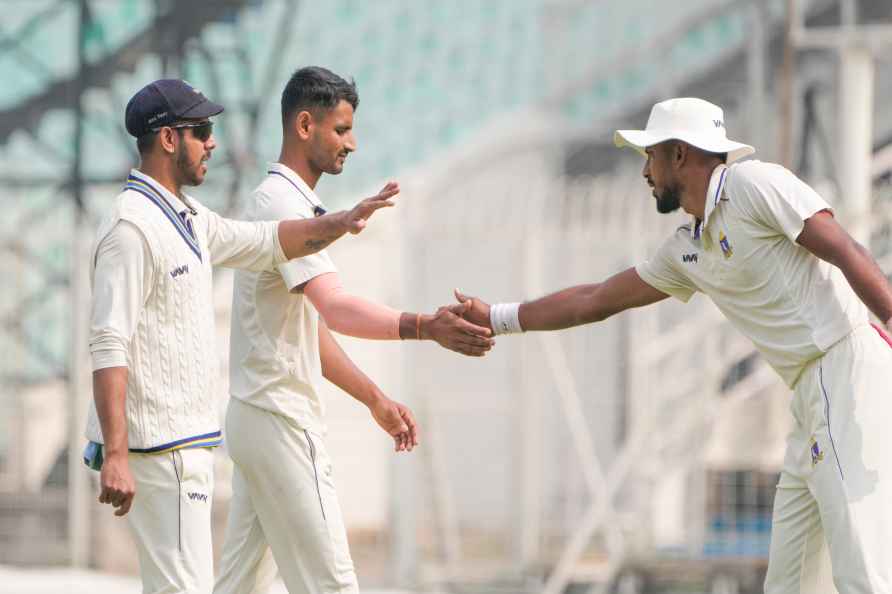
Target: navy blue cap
{"points": [[164, 103]]}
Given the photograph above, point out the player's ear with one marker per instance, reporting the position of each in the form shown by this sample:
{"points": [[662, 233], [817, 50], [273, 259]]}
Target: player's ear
{"points": [[166, 140], [680, 152], [303, 124]]}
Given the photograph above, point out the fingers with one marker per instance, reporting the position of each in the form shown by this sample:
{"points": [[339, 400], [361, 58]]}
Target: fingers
{"points": [[370, 205], [456, 308], [124, 507], [409, 419], [119, 499], [473, 329], [469, 350], [391, 188], [463, 307]]}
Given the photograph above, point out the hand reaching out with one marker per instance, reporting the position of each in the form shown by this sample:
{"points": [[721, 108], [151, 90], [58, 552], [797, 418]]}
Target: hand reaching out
{"points": [[473, 309], [452, 331], [356, 218]]}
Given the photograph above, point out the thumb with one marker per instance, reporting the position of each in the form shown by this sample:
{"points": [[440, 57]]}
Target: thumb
{"points": [[461, 297]]}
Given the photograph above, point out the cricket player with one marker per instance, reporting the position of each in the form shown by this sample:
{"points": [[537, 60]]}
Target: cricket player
{"points": [[152, 338], [766, 248], [284, 504]]}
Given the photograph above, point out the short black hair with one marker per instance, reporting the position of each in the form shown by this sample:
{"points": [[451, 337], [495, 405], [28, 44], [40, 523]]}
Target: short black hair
{"points": [[145, 142], [314, 88]]}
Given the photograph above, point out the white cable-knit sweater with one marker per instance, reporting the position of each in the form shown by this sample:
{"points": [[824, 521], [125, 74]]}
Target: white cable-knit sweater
{"points": [[153, 309]]}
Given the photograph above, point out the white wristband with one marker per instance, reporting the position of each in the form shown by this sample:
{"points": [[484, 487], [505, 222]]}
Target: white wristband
{"points": [[504, 318]]}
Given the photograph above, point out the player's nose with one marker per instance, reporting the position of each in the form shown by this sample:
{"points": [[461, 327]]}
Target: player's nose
{"points": [[350, 143]]}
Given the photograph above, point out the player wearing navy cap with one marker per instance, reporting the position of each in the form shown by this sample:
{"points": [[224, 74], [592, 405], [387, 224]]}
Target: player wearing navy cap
{"points": [[152, 337]]}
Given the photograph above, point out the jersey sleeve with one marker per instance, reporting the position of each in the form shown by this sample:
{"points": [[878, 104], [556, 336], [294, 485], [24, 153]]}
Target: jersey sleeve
{"points": [[661, 272], [122, 281], [296, 272], [777, 199], [243, 244]]}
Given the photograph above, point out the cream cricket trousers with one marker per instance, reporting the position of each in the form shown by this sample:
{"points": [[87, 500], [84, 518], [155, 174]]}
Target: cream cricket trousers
{"points": [[283, 502], [171, 520], [833, 507]]}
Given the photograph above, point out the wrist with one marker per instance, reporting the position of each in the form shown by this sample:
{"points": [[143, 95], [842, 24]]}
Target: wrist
{"points": [[342, 221], [424, 323], [374, 398], [115, 454], [504, 318]]}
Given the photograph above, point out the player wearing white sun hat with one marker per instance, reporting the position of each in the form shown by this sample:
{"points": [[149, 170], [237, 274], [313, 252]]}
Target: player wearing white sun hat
{"points": [[766, 248]]}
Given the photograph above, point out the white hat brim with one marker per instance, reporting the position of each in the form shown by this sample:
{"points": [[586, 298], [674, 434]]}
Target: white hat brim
{"points": [[641, 139]]}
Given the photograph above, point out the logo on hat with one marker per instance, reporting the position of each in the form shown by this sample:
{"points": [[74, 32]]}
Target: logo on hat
{"points": [[694, 121], [163, 102]]}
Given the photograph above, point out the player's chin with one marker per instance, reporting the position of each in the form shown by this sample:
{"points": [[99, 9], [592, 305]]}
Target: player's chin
{"points": [[198, 174]]}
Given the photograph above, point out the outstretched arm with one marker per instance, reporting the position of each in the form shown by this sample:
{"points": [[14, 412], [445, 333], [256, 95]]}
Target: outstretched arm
{"points": [[261, 245], [307, 236], [395, 418], [354, 316], [826, 239], [582, 304]]}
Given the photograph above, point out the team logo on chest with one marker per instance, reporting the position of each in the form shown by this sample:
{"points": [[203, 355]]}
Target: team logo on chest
{"points": [[725, 245], [816, 454], [184, 269]]}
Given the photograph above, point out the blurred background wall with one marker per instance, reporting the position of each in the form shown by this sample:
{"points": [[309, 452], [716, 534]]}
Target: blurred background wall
{"points": [[639, 455]]}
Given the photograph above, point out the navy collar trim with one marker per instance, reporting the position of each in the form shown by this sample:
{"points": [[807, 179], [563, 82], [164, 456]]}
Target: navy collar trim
{"points": [[182, 225], [318, 209]]}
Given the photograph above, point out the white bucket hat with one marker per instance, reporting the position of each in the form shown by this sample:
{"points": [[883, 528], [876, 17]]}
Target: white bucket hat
{"points": [[695, 121]]}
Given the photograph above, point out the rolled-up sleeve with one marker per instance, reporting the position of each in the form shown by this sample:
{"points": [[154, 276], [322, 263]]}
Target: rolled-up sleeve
{"points": [[244, 244], [122, 280]]}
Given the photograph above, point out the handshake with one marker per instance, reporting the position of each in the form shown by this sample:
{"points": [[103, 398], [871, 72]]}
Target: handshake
{"points": [[463, 327]]}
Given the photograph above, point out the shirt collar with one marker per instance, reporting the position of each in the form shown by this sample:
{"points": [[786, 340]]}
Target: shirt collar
{"points": [[713, 197], [178, 204], [297, 181]]}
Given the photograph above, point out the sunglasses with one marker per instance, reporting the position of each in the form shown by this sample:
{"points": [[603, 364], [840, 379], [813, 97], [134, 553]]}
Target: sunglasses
{"points": [[200, 130]]}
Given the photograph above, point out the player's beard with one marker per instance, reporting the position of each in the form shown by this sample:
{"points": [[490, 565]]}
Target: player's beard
{"points": [[669, 200], [189, 171]]}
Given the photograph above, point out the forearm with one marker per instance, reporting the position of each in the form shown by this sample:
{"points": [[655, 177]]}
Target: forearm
{"points": [[584, 304], [351, 315], [569, 307], [340, 370], [867, 280], [302, 237], [109, 394]]}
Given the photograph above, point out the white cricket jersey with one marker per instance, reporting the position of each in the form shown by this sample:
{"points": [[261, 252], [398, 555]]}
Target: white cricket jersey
{"points": [[274, 347], [153, 309], [744, 256]]}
